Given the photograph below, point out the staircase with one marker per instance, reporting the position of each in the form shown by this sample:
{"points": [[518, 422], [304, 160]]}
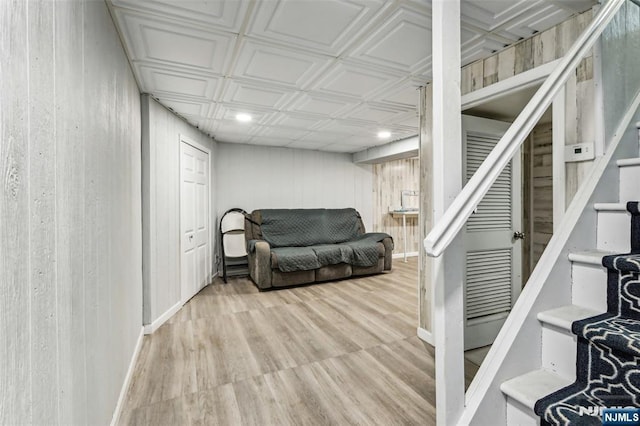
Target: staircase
{"points": [[612, 296]]}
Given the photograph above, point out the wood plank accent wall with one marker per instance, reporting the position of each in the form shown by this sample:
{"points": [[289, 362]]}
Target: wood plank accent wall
{"points": [[542, 191], [528, 54], [70, 209], [389, 179], [533, 52]]}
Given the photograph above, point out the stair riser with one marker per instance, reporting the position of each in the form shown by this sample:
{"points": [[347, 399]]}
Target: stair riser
{"points": [[518, 414], [559, 351], [613, 232], [629, 178], [589, 286]]}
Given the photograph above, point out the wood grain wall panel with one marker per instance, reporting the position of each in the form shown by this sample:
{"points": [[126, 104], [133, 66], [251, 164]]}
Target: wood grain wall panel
{"points": [[258, 177], [69, 185], [542, 190], [70, 281], [15, 351], [161, 131], [42, 236], [389, 179], [527, 207]]}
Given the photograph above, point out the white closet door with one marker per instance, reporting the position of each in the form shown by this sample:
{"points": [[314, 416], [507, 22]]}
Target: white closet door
{"points": [[194, 218], [493, 257]]}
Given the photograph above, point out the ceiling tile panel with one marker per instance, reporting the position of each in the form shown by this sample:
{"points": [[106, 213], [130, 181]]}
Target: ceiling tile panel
{"points": [[355, 80], [538, 20], [374, 113], [319, 25], [572, 6], [276, 64], [186, 107], [408, 120], [387, 45], [404, 94], [347, 127], [491, 14], [260, 116], [298, 121], [225, 14], [240, 92], [176, 83], [169, 43], [321, 105]]}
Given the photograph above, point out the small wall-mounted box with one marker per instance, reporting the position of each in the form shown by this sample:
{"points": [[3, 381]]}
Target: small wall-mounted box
{"points": [[578, 152]]}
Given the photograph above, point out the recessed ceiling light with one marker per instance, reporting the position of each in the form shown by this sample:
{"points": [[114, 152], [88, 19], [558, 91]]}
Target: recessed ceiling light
{"points": [[384, 134], [245, 118]]}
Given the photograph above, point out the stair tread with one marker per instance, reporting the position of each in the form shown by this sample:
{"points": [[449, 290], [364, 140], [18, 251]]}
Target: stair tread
{"points": [[626, 262], [564, 316], [610, 207], [531, 386], [628, 162], [591, 257], [613, 331]]}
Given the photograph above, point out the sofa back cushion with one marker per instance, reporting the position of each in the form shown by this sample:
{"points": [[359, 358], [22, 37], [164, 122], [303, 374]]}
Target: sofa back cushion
{"points": [[308, 227]]}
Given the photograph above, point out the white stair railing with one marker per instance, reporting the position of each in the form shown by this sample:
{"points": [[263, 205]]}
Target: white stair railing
{"points": [[445, 231], [448, 227]]}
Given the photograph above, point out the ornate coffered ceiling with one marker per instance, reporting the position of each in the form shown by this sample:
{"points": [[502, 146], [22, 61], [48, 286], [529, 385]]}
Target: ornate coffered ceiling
{"points": [[313, 74]]}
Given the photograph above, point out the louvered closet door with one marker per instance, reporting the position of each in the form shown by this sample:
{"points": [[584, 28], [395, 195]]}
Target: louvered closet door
{"points": [[493, 257]]}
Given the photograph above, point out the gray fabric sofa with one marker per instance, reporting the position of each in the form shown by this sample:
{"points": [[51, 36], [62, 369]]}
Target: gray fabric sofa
{"points": [[299, 246]]}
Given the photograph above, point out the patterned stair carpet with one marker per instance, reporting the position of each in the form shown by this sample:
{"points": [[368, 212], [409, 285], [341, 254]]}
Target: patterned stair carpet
{"points": [[608, 357]]}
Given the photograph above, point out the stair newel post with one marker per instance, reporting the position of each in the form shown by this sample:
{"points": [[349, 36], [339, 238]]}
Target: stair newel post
{"points": [[446, 274]]}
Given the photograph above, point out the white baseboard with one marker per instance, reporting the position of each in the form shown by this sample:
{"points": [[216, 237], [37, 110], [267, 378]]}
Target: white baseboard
{"points": [[127, 379], [426, 336], [409, 254], [150, 328]]}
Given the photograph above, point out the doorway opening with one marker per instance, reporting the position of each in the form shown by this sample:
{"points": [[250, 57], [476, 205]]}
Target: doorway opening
{"points": [[535, 213]]}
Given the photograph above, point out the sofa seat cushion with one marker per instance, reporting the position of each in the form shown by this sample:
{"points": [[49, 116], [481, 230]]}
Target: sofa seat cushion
{"points": [[363, 252], [290, 259]]}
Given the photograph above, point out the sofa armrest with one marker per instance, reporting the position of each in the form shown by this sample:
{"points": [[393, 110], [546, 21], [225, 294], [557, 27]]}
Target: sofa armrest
{"points": [[260, 264], [388, 252]]}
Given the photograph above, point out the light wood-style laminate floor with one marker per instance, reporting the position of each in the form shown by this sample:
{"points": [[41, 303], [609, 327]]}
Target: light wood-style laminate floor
{"points": [[337, 353]]}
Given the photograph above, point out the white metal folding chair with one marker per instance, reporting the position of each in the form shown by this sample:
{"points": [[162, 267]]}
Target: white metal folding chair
{"points": [[234, 248]]}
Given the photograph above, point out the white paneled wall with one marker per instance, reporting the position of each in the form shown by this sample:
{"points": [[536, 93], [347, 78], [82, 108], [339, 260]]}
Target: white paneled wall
{"points": [[256, 177], [161, 130], [70, 213]]}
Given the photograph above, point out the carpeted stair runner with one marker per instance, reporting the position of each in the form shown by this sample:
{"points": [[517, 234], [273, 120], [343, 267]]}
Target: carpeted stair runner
{"points": [[608, 357]]}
